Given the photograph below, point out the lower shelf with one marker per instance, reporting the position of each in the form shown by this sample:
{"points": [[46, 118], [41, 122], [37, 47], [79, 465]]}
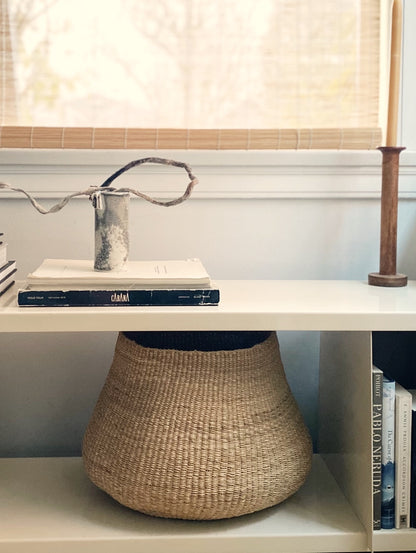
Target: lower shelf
{"points": [[395, 540], [49, 505]]}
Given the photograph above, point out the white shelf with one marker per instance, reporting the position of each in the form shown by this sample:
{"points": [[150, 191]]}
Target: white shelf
{"points": [[49, 505], [395, 540], [244, 305]]}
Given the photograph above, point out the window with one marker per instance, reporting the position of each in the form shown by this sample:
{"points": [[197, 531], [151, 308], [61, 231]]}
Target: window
{"points": [[191, 74]]}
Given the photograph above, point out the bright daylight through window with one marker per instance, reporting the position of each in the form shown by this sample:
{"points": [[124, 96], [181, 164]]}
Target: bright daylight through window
{"points": [[190, 73]]}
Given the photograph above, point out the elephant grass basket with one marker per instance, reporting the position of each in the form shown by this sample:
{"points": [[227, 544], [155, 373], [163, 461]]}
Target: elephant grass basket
{"points": [[201, 433]]}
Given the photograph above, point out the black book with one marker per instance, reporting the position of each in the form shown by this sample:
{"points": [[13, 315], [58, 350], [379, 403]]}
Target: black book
{"points": [[117, 297]]}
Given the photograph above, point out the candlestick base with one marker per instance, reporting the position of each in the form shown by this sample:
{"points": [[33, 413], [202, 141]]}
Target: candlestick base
{"points": [[392, 281]]}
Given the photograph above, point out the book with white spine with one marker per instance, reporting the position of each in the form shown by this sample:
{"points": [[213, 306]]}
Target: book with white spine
{"points": [[403, 438]]}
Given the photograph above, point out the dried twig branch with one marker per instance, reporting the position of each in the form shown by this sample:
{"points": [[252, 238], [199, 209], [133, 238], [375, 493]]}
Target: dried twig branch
{"points": [[93, 190]]}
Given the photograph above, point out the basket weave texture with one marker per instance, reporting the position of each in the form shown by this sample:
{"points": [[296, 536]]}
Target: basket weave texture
{"points": [[197, 434]]}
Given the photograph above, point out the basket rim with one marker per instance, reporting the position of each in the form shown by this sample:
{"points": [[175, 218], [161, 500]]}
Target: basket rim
{"points": [[270, 341]]}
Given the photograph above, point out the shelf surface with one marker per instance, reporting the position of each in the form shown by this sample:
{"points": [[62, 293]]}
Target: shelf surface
{"points": [[244, 305], [395, 540], [49, 505]]}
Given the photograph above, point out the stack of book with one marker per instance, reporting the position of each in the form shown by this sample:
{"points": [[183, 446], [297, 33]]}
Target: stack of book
{"points": [[67, 283], [7, 268], [394, 453]]}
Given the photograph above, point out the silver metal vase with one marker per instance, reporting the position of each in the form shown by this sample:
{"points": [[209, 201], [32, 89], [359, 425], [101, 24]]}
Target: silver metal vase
{"points": [[111, 230]]}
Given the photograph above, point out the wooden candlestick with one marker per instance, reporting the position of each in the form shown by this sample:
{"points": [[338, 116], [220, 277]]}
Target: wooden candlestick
{"points": [[390, 170], [388, 230]]}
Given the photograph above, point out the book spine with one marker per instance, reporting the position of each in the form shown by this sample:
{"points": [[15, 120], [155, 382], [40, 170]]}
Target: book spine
{"points": [[4, 277], [377, 445], [387, 456], [7, 287], [403, 412], [413, 473], [7, 268], [103, 298]]}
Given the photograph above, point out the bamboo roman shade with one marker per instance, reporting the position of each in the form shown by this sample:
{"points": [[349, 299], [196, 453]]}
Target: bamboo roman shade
{"points": [[191, 74]]}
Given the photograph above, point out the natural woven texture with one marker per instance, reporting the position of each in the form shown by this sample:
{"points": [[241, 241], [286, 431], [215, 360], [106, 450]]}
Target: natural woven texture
{"points": [[197, 435]]}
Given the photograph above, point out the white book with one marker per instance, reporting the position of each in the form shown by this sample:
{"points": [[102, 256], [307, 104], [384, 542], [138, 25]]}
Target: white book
{"points": [[72, 273], [403, 437]]}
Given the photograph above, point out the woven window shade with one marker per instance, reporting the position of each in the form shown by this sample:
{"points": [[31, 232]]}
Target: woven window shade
{"points": [[190, 74], [8, 96]]}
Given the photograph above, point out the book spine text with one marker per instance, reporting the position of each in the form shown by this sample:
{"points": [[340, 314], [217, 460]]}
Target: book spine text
{"points": [[387, 455], [79, 298], [377, 445]]}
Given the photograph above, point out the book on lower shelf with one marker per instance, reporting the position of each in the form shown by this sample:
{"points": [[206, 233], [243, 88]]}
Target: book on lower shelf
{"points": [[388, 455], [75, 283], [413, 464], [403, 429], [377, 414], [397, 459]]}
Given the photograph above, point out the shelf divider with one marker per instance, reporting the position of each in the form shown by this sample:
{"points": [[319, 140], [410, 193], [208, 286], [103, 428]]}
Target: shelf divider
{"points": [[345, 417]]}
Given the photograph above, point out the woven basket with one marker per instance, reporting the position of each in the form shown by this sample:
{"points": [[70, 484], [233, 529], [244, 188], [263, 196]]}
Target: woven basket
{"points": [[197, 434]]}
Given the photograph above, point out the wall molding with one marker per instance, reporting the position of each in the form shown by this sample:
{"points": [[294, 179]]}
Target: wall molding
{"points": [[222, 175]]}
